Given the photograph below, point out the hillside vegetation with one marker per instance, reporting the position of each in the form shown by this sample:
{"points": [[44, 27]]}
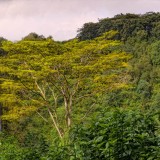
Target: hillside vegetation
{"points": [[94, 97]]}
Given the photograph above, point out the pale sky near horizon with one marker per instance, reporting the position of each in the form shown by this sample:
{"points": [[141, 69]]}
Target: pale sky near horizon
{"points": [[62, 18]]}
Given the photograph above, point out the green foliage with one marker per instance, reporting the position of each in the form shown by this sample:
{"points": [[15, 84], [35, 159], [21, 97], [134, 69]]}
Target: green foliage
{"points": [[34, 148], [10, 148], [128, 25], [1, 41], [93, 99], [89, 31], [155, 53], [120, 134], [34, 37]]}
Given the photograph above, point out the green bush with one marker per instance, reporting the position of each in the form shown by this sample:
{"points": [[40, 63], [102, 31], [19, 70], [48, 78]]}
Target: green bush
{"points": [[9, 148], [34, 148], [119, 135]]}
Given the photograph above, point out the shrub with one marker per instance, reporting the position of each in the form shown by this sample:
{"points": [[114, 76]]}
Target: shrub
{"points": [[119, 135]]}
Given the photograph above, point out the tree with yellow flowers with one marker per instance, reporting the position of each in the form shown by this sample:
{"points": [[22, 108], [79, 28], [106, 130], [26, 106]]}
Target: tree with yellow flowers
{"points": [[51, 76]]}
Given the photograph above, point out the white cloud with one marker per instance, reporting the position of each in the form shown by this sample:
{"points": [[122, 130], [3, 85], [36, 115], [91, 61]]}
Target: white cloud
{"points": [[61, 18]]}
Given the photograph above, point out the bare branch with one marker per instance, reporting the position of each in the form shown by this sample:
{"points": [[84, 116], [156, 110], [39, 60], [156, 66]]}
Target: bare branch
{"points": [[40, 90], [55, 124], [42, 116]]}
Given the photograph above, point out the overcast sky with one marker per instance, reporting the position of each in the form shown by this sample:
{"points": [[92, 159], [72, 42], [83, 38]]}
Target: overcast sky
{"points": [[62, 18]]}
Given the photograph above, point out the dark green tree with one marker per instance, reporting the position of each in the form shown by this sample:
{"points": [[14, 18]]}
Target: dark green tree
{"points": [[34, 37]]}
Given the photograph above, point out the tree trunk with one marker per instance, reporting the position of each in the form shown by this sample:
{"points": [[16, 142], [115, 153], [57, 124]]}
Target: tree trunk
{"points": [[68, 110]]}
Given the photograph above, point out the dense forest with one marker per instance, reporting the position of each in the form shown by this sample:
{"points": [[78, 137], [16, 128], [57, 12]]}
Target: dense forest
{"points": [[94, 97]]}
